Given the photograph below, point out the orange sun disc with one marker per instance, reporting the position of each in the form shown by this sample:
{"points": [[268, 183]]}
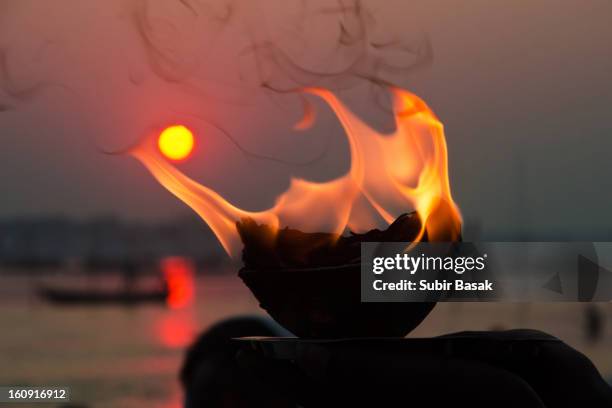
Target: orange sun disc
{"points": [[176, 142]]}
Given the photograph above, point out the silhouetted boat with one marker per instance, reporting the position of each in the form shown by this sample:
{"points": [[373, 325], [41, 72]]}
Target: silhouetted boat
{"points": [[101, 297], [174, 288]]}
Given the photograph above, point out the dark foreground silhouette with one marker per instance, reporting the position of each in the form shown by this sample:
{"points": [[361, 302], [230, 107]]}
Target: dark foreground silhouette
{"points": [[516, 368]]}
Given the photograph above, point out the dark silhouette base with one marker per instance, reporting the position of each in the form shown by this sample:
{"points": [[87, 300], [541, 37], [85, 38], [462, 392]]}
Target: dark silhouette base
{"points": [[516, 368]]}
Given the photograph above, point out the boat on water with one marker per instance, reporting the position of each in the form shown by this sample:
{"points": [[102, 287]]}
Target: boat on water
{"points": [[129, 293], [172, 285], [94, 297]]}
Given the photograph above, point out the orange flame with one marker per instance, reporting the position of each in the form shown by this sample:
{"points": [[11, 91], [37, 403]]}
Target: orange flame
{"points": [[390, 174]]}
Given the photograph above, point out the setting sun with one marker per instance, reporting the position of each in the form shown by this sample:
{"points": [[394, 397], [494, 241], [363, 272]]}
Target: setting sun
{"points": [[176, 142]]}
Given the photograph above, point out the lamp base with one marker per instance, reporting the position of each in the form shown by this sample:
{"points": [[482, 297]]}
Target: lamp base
{"points": [[513, 368]]}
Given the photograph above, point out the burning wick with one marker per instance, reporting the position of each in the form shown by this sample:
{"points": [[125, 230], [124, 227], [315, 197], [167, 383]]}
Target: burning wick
{"points": [[176, 142]]}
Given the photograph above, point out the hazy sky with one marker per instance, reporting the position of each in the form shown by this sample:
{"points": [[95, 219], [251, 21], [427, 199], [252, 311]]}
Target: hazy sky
{"points": [[524, 89]]}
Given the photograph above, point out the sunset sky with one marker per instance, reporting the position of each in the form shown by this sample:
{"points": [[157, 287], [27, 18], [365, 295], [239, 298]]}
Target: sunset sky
{"points": [[524, 89]]}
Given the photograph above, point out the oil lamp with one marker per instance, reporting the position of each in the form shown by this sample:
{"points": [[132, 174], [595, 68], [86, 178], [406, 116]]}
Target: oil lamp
{"points": [[302, 256]]}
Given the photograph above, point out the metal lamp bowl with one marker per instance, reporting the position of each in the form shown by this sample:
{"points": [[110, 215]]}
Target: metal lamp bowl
{"points": [[325, 302]]}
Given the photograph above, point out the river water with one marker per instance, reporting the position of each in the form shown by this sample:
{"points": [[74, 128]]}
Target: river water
{"points": [[110, 356], [130, 356]]}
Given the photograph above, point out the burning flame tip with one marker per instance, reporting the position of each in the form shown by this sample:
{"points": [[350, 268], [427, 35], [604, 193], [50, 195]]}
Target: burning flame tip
{"points": [[389, 175]]}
